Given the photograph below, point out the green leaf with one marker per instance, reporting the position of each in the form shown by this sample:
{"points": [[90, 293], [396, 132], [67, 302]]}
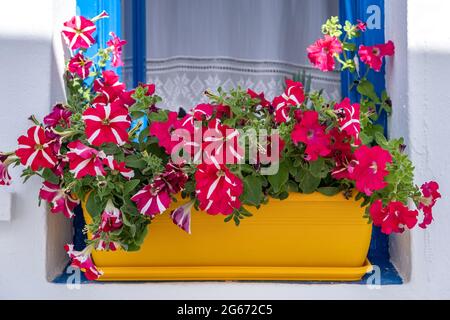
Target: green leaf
{"points": [[319, 168], [278, 180], [135, 162], [94, 205], [367, 89], [252, 194], [130, 185], [308, 182], [329, 191], [49, 176]]}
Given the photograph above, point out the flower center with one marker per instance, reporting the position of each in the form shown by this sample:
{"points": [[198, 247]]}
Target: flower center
{"points": [[310, 134], [38, 147], [376, 51], [106, 122], [374, 167]]}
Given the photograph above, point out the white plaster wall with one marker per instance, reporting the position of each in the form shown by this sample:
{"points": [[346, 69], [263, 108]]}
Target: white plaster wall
{"points": [[30, 82]]}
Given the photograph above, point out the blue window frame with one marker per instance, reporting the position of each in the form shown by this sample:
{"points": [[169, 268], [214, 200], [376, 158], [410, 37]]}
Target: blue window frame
{"points": [[351, 10]]}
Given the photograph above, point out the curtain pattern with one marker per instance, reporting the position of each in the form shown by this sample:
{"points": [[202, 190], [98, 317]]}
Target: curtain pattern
{"points": [[205, 44]]}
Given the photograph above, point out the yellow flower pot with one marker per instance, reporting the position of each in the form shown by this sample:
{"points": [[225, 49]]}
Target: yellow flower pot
{"points": [[306, 237]]}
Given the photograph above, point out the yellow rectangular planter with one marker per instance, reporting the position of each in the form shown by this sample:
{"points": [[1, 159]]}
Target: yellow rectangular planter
{"points": [[306, 237]]}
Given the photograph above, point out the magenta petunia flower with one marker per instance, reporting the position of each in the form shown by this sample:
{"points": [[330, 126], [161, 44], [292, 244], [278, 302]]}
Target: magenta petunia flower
{"points": [[313, 135], [370, 169], [430, 194], [106, 123], [348, 117], [151, 200], [393, 217], [59, 116], [5, 178], [322, 52], [35, 150], [118, 167], [83, 260], [373, 55], [111, 218], [78, 32], [181, 216], [80, 65], [109, 85], [217, 189], [84, 160], [59, 200]]}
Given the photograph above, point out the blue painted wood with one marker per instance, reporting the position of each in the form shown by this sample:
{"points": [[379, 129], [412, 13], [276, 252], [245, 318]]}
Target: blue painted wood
{"points": [[91, 8], [139, 15], [354, 10]]}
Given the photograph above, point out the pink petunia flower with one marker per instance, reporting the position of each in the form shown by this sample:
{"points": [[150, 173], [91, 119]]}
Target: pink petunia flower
{"points": [[59, 116], [83, 260], [217, 189], [84, 160], [80, 65], [77, 33], [35, 150], [361, 26], [116, 44], [430, 194], [282, 110], [348, 117], [59, 200], [163, 132], [117, 167], [393, 217], [373, 55], [313, 135], [107, 123], [109, 85], [322, 52], [370, 169]]}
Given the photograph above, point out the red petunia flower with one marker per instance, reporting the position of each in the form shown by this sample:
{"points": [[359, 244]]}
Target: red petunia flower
{"points": [[221, 144], [59, 200], [58, 117], [35, 149], [107, 123], [259, 96], [430, 194], [294, 93], [373, 55], [78, 33], [222, 111], [322, 52], [313, 135], [84, 160], [392, 218], [370, 169], [218, 190], [117, 167], [282, 110], [173, 177], [80, 65], [341, 152], [109, 85], [111, 218], [83, 260], [349, 117], [116, 44], [151, 200]]}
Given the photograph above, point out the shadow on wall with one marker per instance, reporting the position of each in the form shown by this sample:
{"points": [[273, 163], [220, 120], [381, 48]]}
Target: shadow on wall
{"points": [[31, 83]]}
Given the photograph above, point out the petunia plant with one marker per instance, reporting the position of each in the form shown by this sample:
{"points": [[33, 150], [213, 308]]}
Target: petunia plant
{"points": [[223, 157]]}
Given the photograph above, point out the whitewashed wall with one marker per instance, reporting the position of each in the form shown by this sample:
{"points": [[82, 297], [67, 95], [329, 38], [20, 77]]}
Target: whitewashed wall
{"points": [[30, 82]]}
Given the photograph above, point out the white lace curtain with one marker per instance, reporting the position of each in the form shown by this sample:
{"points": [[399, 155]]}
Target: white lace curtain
{"points": [[193, 45]]}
